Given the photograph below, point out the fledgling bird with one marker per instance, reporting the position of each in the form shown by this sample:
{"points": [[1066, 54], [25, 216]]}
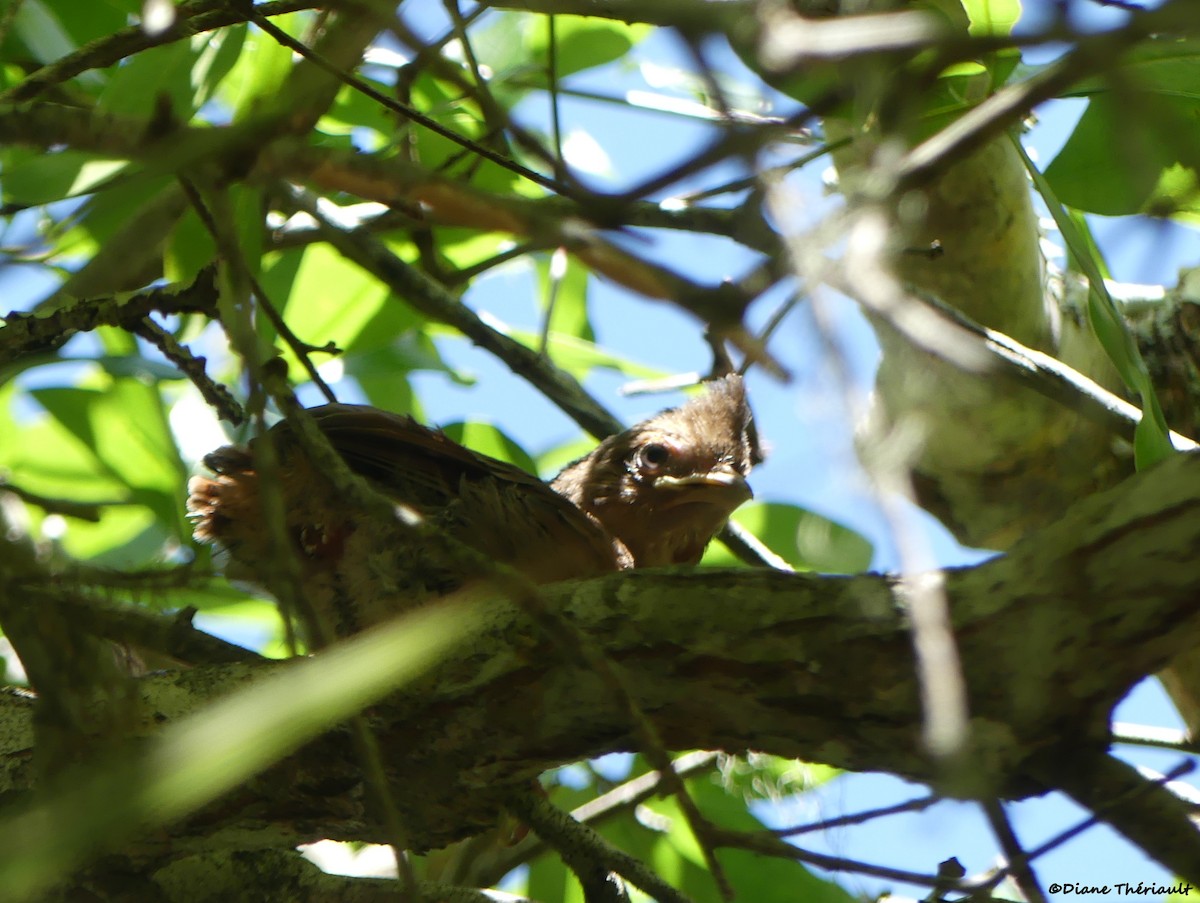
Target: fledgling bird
{"points": [[652, 495], [665, 487]]}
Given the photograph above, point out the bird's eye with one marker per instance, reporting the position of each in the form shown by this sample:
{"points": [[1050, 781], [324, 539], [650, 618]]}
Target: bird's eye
{"points": [[653, 456]]}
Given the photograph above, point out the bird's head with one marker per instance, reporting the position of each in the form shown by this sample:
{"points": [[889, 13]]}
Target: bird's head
{"points": [[666, 486]]}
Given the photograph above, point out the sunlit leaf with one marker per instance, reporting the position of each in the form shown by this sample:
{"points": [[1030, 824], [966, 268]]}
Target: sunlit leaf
{"points": [[763, 879], [196, 760], [126, 429], [175, 79], [323, 297], [805, 540], [1109, 168], [563, 283], [490, 440], [261, 68], [579, 357], [43, 178], [1151, 442], [582, 42], [992, 17]]}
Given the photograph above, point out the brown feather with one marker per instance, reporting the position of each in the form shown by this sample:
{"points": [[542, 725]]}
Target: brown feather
{"points": [[666, 513], [494, 507], [652, 495]]}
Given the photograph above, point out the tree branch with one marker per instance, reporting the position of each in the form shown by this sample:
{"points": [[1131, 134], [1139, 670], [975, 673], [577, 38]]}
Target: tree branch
{"points": [[810, 667]]}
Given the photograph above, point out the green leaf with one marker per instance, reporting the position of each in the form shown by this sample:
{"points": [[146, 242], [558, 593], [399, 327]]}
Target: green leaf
{"points": [[182, 76], [194, 761], [86, 22], [1137, 146], [261, 68], [550, 882], [805, 540], [1151, 441], [43, 456], [1157, 65], [579, 356], [567, 293], [992, 17], [191, 247], [106, 213], [126, 429], [581, 42], [490, 440], [41, 29], [555, 459], [353, 111], [326, 298], [678, 856], [467, 247], [43, 178], [1110, 168]]}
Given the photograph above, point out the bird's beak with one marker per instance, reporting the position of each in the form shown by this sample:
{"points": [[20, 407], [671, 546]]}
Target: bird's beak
{"points": [[724, 483]]}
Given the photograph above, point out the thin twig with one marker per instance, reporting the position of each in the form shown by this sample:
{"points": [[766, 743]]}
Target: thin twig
{"points": [[190, 19], [299, 348], [217, 395], [765, 843], [1047, 375], [44, 333], [86, 511], [1018, 860], [396, 107], [577, 841], [859, 818], [601, 810]]}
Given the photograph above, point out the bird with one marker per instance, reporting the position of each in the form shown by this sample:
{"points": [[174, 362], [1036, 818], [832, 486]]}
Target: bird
{"points": [[652, 495], [663, 488]]}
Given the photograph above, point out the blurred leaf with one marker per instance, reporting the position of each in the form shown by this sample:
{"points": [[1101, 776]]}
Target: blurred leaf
{"points": [[1137, 146], [549, 881], [209, 594], [107, 212], [805, 540], [468, 247], [40, 28], [261, 67], [555, 459], [126, 366], [43, 456], [1150, 442], [193, 761], [126, 429], [126, 537], [1159, 65], [182, 74], [353, 112], [490, 440], [579, 356], [42, 178], [659, 835], [582, 42], [992, 17], [760, 878], [1109, 168], [502, 44], [87, 21], [190, 247], [323, 297], [569, 314]]}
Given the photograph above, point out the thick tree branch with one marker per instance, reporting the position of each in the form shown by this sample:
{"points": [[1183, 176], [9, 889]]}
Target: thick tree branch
{"points": [[801, 666]]}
